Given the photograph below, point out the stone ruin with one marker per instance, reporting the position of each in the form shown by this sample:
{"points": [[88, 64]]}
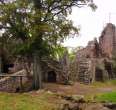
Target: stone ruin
{"points": [[53, 71], [94, 62]]}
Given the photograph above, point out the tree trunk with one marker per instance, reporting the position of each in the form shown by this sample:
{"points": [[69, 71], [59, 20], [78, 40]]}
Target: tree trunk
{"points": [[37, 73], [0, 65]]}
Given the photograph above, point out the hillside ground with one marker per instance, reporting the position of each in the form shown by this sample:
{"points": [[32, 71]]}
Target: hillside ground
{"points": [[49, 98]]}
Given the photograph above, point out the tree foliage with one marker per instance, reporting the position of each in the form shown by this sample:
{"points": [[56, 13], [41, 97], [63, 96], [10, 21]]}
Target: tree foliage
{"points": [[38, 25]]}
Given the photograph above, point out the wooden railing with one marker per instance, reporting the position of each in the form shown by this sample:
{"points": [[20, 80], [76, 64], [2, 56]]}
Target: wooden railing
{"points": [[14, 82]]}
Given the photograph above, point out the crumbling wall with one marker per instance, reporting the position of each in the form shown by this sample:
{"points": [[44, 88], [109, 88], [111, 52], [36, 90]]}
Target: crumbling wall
{"points": [[73, 71], [107, 41], [90, 51], [96, 58], [50, 65], [11, 83]]}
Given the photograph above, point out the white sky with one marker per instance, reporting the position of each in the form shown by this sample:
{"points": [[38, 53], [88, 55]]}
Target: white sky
{"points": [[91, 23]]}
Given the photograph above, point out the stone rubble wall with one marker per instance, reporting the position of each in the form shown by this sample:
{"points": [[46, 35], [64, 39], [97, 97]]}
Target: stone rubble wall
{"points": [[94, 55], [10, 84], [107, 41], [86, 70]]}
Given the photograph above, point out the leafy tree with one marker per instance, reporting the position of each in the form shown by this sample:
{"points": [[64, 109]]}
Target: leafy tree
{"points": [[58, 52], [36, 27]]}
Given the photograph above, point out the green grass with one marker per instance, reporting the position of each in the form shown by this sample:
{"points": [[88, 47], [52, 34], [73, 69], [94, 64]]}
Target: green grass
{"points": [[105, 83], [49, 101], [27, 101], [106, 97]]}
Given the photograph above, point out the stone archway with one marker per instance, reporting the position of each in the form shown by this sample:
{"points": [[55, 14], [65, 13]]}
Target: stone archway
{"points": [[108, 67], [51, 77], [98, 74]]}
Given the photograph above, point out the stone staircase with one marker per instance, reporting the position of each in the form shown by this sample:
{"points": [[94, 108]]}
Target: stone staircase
{"points": [[84, 71]]}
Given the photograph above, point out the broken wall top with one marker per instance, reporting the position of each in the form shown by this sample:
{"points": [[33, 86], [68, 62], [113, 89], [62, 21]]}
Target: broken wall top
{"points": [[107, 41]]}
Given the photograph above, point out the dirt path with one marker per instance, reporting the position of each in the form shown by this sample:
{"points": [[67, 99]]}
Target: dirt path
{"points": [[77, 88]]}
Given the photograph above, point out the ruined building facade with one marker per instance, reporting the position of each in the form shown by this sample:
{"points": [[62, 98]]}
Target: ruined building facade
{"points": [[95, 60], [107, 41], [92, 63]]}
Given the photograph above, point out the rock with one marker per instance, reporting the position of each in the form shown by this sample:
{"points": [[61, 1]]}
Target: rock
{"points": [[49, 92], [78, 98], [74, 98], [74, 106], [110, 105], [95, 107], [71, 106], [65, 107]]}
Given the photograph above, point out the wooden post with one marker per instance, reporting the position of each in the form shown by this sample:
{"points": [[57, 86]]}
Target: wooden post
{"points": [[21, 83]]}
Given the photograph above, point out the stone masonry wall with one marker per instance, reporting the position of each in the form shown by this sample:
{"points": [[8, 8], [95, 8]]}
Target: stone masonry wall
{"points": [[10, 84], [107, 41], [96, 53]]}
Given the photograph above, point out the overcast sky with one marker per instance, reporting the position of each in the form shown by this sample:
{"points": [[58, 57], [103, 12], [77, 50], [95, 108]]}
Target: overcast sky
{"points": [[91, 23]]}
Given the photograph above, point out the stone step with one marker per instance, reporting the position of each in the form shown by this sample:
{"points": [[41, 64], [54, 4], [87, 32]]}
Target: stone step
{"points": [[83, 67], [85, 82], [84, 78], [83, 63], [83, 71], [81, 78]]}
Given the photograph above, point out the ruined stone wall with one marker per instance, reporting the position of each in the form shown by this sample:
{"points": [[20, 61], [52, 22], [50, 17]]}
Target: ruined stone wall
{"points": [[17, 66], [10, 84], [73, 71], [107, 41], [95, 60], [86, 70], [50, 65], [86, 63], [90, 51], [106, 47]]}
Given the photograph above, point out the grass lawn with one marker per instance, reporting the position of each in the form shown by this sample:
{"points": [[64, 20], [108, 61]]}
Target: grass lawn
{"points": [[44, 100], [106, 97], [106, 83], [28, 101]]}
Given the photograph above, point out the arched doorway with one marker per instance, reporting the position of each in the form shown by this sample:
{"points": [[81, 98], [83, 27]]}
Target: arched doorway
{"points": [[99, 74], [108, 67], [51, 76]]}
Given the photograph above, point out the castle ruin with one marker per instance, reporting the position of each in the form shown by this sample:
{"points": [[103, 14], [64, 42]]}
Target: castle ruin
{"points": [[95, 60]]}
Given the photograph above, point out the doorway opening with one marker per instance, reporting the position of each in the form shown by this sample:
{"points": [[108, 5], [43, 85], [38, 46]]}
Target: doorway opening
{"points": [[108, 67], [51, 76], [99, 74], [6, 67]]}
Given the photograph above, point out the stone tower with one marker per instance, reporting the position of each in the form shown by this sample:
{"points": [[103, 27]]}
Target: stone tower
{"points": [[107, 41]]}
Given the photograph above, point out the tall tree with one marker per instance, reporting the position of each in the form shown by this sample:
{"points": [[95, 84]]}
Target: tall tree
{"points": [[37, 27]]}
